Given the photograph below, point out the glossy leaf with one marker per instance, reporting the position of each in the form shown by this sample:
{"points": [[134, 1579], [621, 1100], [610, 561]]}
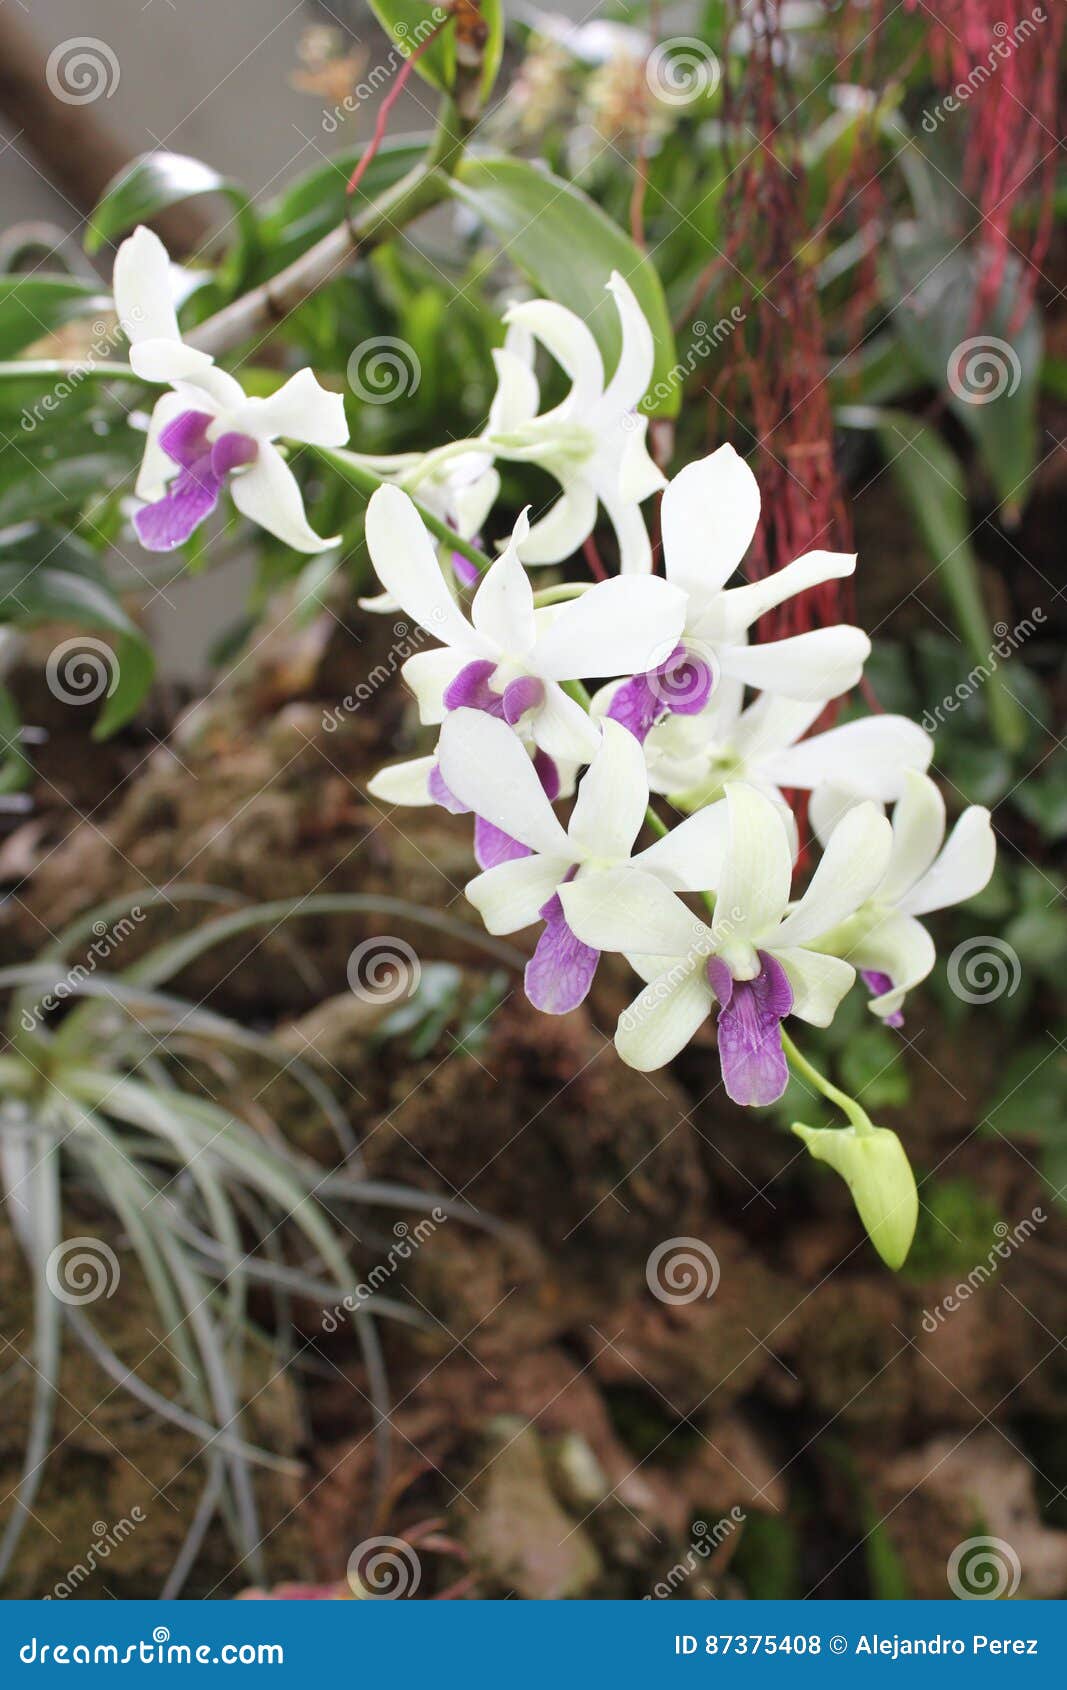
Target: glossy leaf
{"points": [[34, 306], [568, 248], [157, 180], [930, 479]]}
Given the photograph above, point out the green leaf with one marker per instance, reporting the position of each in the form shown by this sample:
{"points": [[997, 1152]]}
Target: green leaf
{"points": [[410, 22], [31, 594], [930, 479], [568, 247], [157, 180], [316, 202], [33, 306]]}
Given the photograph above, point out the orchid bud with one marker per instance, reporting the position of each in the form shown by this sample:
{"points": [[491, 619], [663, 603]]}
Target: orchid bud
{"points": [[875, 1167]]}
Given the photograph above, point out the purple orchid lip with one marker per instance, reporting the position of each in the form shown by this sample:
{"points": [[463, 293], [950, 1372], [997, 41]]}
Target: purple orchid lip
{"points": [[465, 571], [560, 972], [492, 846], [470, 689], [193, 493], [754, 1067], [878, 984], [680, 687]]}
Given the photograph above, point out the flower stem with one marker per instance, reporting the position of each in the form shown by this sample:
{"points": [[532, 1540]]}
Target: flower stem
{"points": [[859, 1118], [351, 469]]}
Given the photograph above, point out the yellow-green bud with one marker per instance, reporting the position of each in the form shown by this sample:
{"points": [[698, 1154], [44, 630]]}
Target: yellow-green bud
{"points": [[875, 1167]]}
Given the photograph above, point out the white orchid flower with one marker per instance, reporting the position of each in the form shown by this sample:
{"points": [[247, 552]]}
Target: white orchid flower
{"points": [[885, 939], [690, 758], [510, 659], [486, 767], [593, 442], [709, 515], [207, 431], [460, 490], [756, 959]]}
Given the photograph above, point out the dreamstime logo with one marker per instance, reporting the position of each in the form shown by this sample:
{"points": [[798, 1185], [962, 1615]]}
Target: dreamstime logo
{"points": [[82, 69], [1006, 41], [706, 1539], [983, 1569], [105, 1539], [107, 939], [682, 1270], [82, 1270], [407, 1240], [384, 369], [1007, 642], [383, 969], [982, 369], [81, 670], [983, 968], [105, 337], [407, 644], [383, 1569], [707, 338], [409, 39], [1009, 1239], [682, 70]]}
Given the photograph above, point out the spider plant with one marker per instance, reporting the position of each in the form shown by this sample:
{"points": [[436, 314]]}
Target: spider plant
{"points": [[101, 1104]]}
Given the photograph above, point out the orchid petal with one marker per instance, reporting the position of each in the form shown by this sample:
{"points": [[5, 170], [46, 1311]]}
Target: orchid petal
{"points": [[741, 606], [663, 1018], [639, 474], [302, 409], [635, 547], [484, 763], [899, 947], [625, 909], [918, 834], [157, 466], [513, 895], [403, 783], [709, 515], [560, 973], [268, 493], [563, 729], [756, 876], [633, 372], [565, 527], [406, 564], [691, 857], [849, 870], [570, 342], [869, 756], [517, 396], [429, 674], [619, 627], [962, 869], [144, 296], [818, 665], [502, 609], [819, 983], [612, 797]]}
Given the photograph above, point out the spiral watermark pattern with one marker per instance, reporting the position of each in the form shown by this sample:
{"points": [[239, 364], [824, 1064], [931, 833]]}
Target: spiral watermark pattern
{"points": [[384, 369], [983, 1569], [682, 1270], [984, 968], [82, 1270], [82, 70], [682, 70], [684, 683], [982, 369], [81, 670], [384, 969], [383, 1569]]}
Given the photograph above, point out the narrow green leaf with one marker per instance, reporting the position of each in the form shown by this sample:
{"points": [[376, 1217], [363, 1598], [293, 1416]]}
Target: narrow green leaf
{"points": [[157, 180], [930, 479], [33, 306]]}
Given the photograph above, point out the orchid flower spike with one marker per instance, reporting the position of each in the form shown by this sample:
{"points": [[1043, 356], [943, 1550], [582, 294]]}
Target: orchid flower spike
{"points": [[510, 659], [690, 758], [486, 767], [884, 938], [709, 515], [755, 961], [593, 442], [207, 431]]}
